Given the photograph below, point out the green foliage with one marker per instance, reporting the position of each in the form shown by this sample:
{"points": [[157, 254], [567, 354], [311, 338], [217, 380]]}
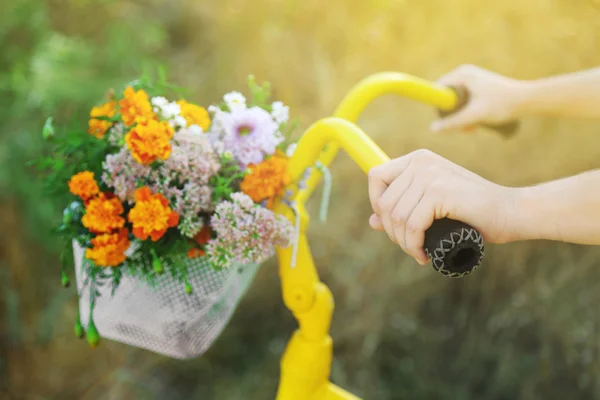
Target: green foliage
{"points": [[47, 71], [227, 180], [260, 94]]}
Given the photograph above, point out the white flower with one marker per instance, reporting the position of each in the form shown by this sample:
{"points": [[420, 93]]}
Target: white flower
{"points": [[280, 112], [235, 101], [216, 143], [218, 120], [185, 136], [290, 149], [159, 101], [168, 111], [195, 129], [178, 122]]}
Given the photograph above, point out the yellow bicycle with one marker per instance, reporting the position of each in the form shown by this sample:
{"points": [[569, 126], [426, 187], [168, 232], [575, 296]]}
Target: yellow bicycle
{"points": [[454, 248]]}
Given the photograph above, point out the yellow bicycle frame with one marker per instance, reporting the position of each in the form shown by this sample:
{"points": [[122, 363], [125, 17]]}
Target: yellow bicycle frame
{"points": [[306, 363]]}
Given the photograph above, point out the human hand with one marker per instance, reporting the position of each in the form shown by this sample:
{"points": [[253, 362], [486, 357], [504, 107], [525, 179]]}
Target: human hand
{"points": [[408, 193], [493, 99]]}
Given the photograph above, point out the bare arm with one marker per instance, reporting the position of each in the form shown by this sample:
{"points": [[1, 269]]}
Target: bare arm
{"points": [[572, 95], [566, 210], [496, 98], [408, 193]]}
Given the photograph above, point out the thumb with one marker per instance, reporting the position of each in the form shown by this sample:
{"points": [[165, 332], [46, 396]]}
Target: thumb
{"points": [[462, 120], [376, 223]]}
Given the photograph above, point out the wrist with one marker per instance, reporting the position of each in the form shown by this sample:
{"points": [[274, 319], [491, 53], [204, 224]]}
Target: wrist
{"points": [[529, 215], [525, 98]]}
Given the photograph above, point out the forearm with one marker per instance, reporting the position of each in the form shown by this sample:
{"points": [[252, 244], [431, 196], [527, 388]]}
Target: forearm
{"points": [[566, 210], [575, 95]]}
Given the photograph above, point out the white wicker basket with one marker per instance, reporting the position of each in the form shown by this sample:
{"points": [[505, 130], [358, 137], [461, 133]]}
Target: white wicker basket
{"points": [[164, 318]]}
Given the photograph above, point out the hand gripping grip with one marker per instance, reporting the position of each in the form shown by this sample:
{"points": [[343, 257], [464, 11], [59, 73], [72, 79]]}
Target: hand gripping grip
{"points": [[455, 248], [506, 129]]}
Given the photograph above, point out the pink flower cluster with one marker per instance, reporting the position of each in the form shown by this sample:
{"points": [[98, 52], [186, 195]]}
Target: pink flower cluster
{"points": [[122, 173], [246, 232], [183, 179], [190, 162]]}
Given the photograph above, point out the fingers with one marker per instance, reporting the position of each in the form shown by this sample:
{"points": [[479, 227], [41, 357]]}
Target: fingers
{"points": [[382, 176], [458, 76], [465, 120], [402, 212], [397, 193], [376, 223], [412, 215], [420, 220], [390, 199]]}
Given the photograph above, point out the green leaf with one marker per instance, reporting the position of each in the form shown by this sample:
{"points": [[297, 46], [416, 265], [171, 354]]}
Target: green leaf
{"points": [[48, 132]]}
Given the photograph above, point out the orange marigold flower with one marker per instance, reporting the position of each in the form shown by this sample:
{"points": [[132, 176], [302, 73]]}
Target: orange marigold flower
{"points": [[84, 185], [98, 127], [109, 249], [135, 107], [267, 180], [103, 214], [151, 215], [149, 141], [194, 114], [200, 239], [193, 253], [203, 236]]}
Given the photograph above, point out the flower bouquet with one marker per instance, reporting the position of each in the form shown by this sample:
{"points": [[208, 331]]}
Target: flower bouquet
{"points": [[169, 211]]}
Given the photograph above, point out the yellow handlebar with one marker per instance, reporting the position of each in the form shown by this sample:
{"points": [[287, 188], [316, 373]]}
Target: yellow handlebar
{"points": [[367, 90], [397, 83], [306, 363]]}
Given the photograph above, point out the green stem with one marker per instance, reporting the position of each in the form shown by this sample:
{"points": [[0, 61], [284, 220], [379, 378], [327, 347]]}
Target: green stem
{"points": [[156, 263], [78, 327], [188, 287], [93, 337], [64, 278]]}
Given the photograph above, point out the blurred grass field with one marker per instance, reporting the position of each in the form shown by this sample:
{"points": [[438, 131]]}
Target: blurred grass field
{"points": [[525, 326]]}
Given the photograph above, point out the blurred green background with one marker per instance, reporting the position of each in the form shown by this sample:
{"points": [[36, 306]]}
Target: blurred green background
{"points": [[525, 326]]}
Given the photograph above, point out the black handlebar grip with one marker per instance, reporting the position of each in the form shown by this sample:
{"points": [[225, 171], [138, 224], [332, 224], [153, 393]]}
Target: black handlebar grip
{"points": [[506, 129], [454, 248]]}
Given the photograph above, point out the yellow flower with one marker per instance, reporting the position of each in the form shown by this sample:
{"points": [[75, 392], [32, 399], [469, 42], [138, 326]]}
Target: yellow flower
{"points": [[103, 214], [267, 180], [194, 115], [84, 185], [149, 141], [109, 249], [98, 127], [135, 107]]}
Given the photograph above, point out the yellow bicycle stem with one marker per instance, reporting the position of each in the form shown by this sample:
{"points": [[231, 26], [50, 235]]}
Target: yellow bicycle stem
{"points": [[306, 363]]}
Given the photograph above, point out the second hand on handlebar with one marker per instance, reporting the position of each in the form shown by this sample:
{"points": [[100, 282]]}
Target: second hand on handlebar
{"points": [[455, 249]]}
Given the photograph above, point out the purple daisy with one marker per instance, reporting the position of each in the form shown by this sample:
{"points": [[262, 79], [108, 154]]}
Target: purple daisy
{"points": [[250, 134]]}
